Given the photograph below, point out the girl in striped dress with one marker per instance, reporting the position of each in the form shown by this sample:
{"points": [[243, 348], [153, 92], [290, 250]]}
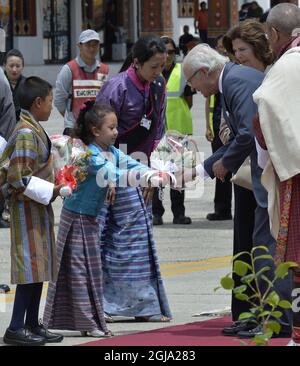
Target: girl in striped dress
{"points": [[133, 285], [27, 180], [75, 301]]}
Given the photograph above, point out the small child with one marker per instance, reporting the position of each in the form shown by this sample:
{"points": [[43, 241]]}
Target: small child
{"points": [[75, 301], [30, 185]]}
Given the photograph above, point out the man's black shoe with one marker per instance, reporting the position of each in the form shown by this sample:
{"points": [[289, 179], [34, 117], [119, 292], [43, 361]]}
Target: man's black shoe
{"points": [[259, 331], [22, 337], [236, 327], [4, 288], [49, 337], [4, 224], [218, 217], [182, 220], [157, 220]]}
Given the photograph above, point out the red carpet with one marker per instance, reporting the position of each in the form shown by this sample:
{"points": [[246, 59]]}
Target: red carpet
{"points": [[205, 333]]}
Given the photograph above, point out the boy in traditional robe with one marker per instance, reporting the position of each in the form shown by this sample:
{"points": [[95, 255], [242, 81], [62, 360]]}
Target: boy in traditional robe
{"points": [[26, 179]]}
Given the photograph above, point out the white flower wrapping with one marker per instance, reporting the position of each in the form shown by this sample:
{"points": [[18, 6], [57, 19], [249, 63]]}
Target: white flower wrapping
{"points": [[174, 153], [65, 151]]}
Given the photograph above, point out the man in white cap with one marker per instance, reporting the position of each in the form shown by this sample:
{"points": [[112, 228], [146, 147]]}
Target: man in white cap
{"points": [[80, 79]]}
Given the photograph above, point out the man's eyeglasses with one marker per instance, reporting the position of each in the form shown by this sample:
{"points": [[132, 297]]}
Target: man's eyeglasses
{"points": [[190, 79]]}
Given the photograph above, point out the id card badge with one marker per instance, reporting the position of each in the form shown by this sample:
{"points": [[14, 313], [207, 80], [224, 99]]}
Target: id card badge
{"points": [[146, 123]]}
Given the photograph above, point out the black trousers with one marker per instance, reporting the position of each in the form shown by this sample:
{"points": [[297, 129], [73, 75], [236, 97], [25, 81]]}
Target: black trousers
{"points": [[203, 35], [177, 203], [244, 220], [223, 190], [283, 287], [27, 302]]}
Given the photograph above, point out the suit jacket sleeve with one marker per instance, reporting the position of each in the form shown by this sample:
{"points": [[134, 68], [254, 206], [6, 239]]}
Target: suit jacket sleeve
{"points": [[7, 111], [209, 162], [239, 98], [238, 92]]}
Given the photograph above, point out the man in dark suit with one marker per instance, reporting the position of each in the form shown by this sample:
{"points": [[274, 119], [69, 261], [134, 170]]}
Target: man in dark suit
{"points": [[209, 72]]}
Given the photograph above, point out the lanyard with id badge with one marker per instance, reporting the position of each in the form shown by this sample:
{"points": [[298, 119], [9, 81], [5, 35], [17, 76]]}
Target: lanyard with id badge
{"points": [[145, 121]]}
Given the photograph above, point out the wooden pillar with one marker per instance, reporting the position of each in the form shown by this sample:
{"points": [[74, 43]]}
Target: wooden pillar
{"points": [[156, 17], [222, 15]]}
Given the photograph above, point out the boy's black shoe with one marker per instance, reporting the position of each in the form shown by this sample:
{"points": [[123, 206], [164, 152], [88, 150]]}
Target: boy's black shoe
{"points": [[22, 337], [49, 337]]}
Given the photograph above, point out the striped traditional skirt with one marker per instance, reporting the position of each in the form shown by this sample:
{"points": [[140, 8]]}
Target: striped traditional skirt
{"points": [[33, 249], [132, 282], [75, 301]]}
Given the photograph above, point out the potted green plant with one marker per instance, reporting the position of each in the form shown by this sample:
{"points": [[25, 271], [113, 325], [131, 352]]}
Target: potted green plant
{"points": [[264, 302]]}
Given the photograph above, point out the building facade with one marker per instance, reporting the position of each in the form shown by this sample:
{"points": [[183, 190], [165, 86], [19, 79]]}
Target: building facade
{"points": [[46, 31]]}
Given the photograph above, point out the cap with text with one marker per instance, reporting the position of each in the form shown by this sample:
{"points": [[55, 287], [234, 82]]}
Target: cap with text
{"points": [[88, 35]]}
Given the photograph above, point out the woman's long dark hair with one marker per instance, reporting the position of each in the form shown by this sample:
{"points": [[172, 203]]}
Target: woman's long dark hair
{"points": [[145, 48]]}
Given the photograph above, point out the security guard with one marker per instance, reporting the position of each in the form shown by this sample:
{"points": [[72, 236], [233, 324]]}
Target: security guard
{"points": [[80, 80]]}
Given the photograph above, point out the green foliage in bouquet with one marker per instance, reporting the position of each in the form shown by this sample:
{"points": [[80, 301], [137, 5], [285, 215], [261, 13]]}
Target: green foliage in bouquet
{"points": [[264, 303]]}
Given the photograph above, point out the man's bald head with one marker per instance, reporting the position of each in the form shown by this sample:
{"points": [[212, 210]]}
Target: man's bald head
{"points": [[285, 17], [280, 24]]}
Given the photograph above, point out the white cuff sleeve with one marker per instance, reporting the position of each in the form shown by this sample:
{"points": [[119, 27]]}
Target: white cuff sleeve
{"points": [[3, 143], [39, 190], [262, 155], [201, 173]]}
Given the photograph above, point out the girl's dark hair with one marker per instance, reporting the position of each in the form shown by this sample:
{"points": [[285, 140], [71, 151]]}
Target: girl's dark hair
{"points": [[169, 40], [32, 88], [13, 53], [147, 47], [92, 115]]}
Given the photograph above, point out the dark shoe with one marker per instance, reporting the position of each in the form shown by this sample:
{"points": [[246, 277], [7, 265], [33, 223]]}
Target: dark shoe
{"points": [[49, 337], [4, 288], [157, 220], [217, 217], [237, 327], [4, 224], [251, 332], [22, 337], [259, 331], [182, 220]]}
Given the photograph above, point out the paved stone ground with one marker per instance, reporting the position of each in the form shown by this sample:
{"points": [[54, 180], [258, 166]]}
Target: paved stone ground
{"points": [[193, 258]]}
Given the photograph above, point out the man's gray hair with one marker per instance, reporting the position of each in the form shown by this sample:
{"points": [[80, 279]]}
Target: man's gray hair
{"points": [[203, 56], [284, 17]]}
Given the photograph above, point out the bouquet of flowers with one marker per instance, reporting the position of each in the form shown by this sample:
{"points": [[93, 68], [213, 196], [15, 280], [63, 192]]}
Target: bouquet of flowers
{"points": [[70, 160], [174, 153]]}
